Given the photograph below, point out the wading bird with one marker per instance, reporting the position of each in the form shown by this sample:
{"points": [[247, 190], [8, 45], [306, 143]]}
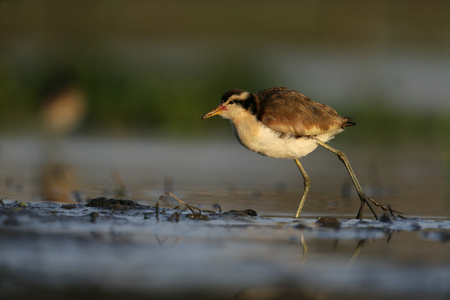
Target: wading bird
{"points": [[282, 123]]}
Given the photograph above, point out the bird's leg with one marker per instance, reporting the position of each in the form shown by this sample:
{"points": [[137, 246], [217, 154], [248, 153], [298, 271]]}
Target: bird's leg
{"points": [[361, 194], [307, 183]]}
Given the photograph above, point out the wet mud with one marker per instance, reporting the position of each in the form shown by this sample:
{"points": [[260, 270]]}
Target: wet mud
{"points": [[112, 248]]}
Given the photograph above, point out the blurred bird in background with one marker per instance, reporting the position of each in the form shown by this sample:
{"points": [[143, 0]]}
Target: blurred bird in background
{"points": [[62, 108], [63, 103]]}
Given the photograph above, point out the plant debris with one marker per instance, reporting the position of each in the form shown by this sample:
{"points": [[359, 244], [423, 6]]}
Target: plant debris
{"points": [[113, 204]]}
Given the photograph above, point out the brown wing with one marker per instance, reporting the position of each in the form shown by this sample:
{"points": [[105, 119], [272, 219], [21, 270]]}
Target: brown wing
{"points": [[289, 112]]}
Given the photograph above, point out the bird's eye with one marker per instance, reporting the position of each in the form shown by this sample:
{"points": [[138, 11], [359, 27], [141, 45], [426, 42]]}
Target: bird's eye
{"points": [[232, 102]]}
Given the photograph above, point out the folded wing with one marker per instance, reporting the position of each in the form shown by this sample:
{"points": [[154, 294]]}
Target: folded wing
{"points": [[289, 112]]}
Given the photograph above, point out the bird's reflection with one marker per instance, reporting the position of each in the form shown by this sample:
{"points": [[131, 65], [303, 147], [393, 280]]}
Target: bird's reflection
{"points": [[59, 183], [327, 224], [358, 248], [305, 248], [162, 240]]}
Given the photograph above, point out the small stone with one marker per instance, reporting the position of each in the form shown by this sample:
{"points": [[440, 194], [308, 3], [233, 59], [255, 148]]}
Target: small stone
{"points": [[329, 222]]}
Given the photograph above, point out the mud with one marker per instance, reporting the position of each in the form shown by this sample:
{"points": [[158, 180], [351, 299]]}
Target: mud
{"points": [[115, 248]]}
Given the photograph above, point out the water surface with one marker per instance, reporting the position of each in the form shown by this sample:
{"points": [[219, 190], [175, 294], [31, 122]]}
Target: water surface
{"points": [[51, 250]]}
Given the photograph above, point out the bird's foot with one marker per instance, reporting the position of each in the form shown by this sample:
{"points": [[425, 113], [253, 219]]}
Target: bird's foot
{"points": [[367, 200]]}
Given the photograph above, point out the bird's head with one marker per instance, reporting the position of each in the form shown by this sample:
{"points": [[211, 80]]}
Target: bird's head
{"points": [[232, 103]]}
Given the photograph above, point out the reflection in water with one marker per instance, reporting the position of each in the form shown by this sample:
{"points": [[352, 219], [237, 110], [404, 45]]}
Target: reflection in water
{"points": [[59, 183], [162, 241], [357, 250], [305, 248], [120, 188], [332, 225]]}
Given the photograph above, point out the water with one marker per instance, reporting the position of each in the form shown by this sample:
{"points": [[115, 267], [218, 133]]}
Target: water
{"points": [[411, 178], [48, 250]]}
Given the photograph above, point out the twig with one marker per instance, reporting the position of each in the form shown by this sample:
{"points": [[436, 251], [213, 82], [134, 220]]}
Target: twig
{"points": [[191, 208]]}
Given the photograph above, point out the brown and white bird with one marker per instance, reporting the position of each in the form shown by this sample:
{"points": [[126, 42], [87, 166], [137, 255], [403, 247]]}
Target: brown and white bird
{"points": [[63, 103], [282, 123]]}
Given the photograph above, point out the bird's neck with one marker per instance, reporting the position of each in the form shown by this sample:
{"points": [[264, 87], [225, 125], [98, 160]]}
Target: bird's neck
{"points": [[245, 126], [241, 117]]}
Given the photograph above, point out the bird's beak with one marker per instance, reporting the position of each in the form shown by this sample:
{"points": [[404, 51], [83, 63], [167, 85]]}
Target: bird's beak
{"points": [[214, 112]]}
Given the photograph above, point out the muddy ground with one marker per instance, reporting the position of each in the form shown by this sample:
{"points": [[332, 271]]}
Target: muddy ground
{"points": [[111, 249]]}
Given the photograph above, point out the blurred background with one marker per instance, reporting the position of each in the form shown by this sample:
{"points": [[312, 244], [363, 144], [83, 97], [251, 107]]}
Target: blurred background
{"points": [[153, 68], [104, 98]]}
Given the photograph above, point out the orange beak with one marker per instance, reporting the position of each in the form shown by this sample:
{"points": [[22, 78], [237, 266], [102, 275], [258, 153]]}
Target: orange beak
{"points": [[215, 111]]}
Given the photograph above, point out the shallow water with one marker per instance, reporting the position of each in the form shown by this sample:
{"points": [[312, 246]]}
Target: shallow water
{"points": [[47, 249], [412, 178]]}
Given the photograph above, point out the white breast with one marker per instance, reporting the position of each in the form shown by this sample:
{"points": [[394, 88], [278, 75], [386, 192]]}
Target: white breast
{"points": [[258, 138]]}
